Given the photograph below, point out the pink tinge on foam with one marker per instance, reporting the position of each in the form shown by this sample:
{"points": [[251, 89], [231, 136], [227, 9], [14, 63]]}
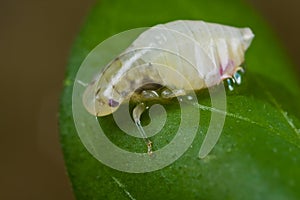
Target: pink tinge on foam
{"points": [[226, 71]]}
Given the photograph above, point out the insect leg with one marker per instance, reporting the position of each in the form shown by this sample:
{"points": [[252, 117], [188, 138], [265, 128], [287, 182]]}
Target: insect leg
{"points": [[137, 112]]}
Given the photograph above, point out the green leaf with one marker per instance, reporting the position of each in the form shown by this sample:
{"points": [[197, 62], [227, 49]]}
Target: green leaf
{"points": [[258, 153]]}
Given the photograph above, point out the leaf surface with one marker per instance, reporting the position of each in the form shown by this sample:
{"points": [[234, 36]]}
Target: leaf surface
{"points": [[258, 153]]}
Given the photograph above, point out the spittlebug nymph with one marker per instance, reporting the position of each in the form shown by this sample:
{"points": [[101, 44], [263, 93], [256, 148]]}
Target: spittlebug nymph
{"points": [[215, 51]]}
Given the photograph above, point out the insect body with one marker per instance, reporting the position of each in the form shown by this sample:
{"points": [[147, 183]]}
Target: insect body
{"points": [[162, 57]]}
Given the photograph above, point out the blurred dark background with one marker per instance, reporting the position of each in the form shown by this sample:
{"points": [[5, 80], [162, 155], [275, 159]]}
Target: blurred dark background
{"points": [[35, 39]]}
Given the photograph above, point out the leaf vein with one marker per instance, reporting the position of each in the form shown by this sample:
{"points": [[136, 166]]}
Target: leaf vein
{"points": [[284, 114], [270, 128], [122, 186]]}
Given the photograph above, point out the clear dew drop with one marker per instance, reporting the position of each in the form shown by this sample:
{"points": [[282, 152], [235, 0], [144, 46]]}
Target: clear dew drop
{"points": [[150, 94], [230, 84], [166, 93], [238, 78]]}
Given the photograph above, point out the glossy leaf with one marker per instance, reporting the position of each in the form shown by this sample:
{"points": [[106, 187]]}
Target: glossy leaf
{"points": [[258, 154]]}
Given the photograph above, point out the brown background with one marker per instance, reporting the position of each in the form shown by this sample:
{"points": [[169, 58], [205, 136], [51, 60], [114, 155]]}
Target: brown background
{"points": [[35, 40]]}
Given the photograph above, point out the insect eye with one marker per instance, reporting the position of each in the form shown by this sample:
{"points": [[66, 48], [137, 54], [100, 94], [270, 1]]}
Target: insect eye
{"points": [[113, 103]]}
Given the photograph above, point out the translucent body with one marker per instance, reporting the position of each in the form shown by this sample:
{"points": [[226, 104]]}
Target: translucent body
{"points": [[203, 53]]}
